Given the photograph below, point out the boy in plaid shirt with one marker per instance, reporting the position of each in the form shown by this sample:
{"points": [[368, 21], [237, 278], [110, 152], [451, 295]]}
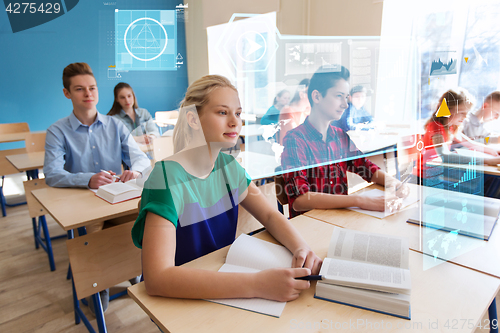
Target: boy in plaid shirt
{"points": [[321, 154]]}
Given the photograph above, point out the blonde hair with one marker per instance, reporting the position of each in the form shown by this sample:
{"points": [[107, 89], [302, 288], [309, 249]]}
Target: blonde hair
{"points": [[197, 95]]}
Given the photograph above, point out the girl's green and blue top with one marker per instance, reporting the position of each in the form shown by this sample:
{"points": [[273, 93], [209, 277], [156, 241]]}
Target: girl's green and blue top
{"points": [[204, 211]]}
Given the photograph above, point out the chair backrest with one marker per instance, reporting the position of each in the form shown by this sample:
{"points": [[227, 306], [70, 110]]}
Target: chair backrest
{"points": [[6, 168], [103, 259], [35, 142], [279, 186], [163, 147], [34, 207], [14, 128]]}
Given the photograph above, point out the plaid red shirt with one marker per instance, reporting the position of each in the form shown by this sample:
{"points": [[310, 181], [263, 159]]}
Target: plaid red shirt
{"points": [[304, 147]]}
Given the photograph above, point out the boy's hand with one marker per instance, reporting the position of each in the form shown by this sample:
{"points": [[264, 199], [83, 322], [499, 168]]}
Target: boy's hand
{"points": [[402, 190], [305, 257], [372, 203], [101, 178], [129, 175], [279, 284]]}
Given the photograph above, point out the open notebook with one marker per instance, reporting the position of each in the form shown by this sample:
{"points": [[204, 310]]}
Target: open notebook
{"points": [[249, 255]]}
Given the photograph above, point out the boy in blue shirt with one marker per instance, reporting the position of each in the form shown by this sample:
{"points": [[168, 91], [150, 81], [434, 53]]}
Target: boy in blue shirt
{"points": [[79, 147]]}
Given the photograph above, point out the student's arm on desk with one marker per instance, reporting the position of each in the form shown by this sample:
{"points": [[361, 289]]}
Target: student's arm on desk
{"points": [[465, 141], [163, 278], [453, 158], [317, 200]]}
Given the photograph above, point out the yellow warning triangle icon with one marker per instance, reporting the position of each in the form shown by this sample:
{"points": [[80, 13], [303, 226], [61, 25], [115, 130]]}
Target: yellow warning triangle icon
{"points": [[466, 59], [443, 110], [487, 139]]}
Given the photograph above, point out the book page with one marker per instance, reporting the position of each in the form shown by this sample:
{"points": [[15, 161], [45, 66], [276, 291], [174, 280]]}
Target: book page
{"points": [[118, 188], [365, 275], [369, 247], [259, 305], [411, 199], [255, 253]]}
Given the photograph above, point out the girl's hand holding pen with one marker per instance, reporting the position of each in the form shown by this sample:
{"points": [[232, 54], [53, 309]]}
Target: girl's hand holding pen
{"points": [[305, 257], [279, 284]]}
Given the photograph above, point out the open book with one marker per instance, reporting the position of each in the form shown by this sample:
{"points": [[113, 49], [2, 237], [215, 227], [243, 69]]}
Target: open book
{"points": [[118, 192], [411, 199], [249, 255], [461, 213], [367, 270]]}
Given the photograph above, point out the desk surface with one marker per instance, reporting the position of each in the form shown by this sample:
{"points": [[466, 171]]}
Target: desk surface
{"points": [[28, 161], [438, 294], [78, 207], [477, 254]]}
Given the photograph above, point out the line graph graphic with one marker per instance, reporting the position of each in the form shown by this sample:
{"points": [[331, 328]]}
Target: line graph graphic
{"points": [[446, 64]]}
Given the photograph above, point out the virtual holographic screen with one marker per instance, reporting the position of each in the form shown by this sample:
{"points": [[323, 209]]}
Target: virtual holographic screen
{"points": [[252, 53], [264, 62]]}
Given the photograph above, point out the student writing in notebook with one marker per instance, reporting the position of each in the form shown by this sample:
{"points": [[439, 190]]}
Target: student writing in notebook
{"points": [[189, 208], [316, 141], [136, 119]]}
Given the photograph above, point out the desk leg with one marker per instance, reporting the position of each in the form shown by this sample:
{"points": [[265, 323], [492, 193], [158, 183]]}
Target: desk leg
{"points": [[492, 313], [48, 242]]}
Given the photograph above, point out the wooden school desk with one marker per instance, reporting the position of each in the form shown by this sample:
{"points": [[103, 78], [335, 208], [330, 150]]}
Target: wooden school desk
{"points": [[439, 296], [477, 254], [29, 162], [73, 208]]}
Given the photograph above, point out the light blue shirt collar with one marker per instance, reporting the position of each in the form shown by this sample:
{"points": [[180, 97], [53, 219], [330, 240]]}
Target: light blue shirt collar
{"points": [[75, 123]]}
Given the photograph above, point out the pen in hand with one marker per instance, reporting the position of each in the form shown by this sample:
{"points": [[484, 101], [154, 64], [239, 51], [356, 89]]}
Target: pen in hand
{"points": [[310, 277], [114, 176]]}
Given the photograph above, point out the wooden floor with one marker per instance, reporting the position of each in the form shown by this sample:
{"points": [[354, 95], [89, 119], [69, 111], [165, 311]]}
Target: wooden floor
{"points": [[34, 299]]}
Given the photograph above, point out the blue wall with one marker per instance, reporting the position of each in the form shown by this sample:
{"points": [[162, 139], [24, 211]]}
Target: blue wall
{"points": [[32, 61]]}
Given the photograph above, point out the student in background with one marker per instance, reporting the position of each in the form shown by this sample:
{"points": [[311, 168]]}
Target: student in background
{"points": [[355, 116], [79, 146], [316, 141], [137, 120], [190, 204], [273, 113], [294, 114], [473, 125], [442, 135]]}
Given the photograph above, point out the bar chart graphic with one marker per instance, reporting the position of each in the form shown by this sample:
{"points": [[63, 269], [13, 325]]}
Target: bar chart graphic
{"points": [[469, 174]]}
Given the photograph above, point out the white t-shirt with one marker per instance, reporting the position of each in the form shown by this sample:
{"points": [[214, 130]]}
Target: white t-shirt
{"points": [[474, 128]]}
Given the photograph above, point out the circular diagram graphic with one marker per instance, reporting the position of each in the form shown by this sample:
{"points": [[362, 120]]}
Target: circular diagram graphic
{"points": [[251, 46], [147, 40]]}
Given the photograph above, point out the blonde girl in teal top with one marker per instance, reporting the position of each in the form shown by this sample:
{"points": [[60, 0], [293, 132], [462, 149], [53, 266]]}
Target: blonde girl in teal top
{"points": [[189, 208]]}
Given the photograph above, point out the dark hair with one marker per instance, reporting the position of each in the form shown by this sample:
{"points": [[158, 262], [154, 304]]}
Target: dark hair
{"points": [[279, 95], [74, 69], [325, 78], [302, 84], [116, 108], [454, 98], [357, 89]]}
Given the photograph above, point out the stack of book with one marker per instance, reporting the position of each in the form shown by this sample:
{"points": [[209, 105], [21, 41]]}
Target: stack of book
{"points": [[367, 270]]}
